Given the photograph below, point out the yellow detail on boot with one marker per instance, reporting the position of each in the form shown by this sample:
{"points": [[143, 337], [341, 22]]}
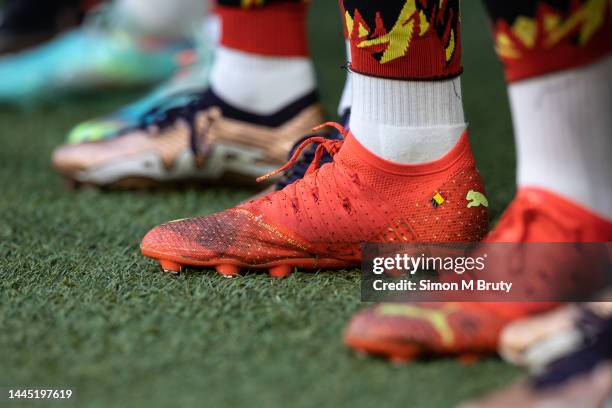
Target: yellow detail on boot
{"points": [[435, 317], [438, 199], [476, 199]]}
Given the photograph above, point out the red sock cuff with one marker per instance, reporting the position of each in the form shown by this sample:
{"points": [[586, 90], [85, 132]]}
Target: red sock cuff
{"points": [[273, 30], [550, 41], [415, 44]]}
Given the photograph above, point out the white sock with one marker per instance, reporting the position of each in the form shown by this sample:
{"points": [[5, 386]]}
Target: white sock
{"points": [[563, 127], [407, 121], [260, 84], [347, 93], [163, 18]]}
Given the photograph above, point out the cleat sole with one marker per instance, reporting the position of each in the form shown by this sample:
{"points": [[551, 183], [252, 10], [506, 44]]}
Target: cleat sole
{"points": [[231, 267], [281, 271], [228, 270], [396, 353], [401, 353], [469, 358], [399, 360], [170, 266], [406, 354]]}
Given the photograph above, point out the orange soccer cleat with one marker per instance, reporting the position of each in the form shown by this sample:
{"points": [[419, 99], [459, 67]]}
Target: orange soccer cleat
{"points": [[321, 220], [537, 215], [405, 330]]}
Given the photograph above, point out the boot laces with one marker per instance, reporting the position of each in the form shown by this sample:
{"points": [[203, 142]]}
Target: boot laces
{"points": [[324, 145], [189, 109]]}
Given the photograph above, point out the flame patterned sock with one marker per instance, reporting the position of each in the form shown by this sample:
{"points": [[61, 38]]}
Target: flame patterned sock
{"points": [[533, 38], [404, 39]]}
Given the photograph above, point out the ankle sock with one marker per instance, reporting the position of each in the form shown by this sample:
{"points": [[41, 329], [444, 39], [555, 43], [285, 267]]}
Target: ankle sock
{"points": [[407, 122], [260, 84]]}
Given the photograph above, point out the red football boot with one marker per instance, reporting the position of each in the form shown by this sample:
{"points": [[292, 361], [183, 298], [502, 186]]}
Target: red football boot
{"points": [[403, 331], [321, 220]]}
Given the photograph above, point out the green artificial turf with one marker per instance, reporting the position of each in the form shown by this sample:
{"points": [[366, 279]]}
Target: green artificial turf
{"points": [[81, 308]]}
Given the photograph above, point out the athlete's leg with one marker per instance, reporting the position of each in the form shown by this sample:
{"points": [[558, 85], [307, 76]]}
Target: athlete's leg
{"points": [[261, 99], [557, 56], [262, 63], [415, 191], [406, 59]]}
